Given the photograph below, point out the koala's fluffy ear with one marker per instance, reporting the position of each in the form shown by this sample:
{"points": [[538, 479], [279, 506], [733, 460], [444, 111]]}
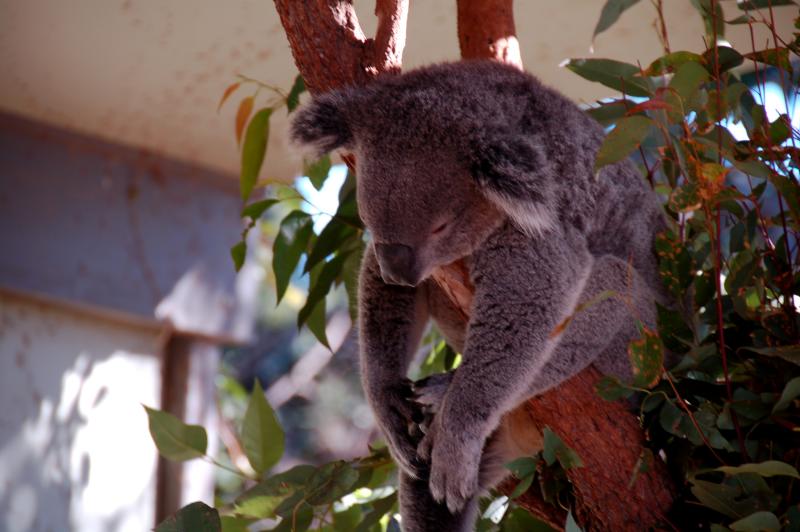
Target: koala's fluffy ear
{"points": [[322, 124], [512, 172]]}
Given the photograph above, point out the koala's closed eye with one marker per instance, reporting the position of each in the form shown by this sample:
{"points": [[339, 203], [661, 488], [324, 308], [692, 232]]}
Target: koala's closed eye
{"points": [[439, 229]]}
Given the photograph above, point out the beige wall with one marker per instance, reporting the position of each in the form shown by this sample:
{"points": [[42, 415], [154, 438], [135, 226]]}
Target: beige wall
{"points": [[150, 73], [75, 452]]}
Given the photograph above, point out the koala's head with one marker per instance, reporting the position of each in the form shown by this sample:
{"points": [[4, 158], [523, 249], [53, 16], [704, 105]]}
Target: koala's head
{"points": [[439, 164]]}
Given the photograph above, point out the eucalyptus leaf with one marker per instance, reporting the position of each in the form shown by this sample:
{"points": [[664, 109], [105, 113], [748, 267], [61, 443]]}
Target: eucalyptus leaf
{"points": [[556, 450], [238, 254], [290, 243], [293, 98], [194, 517], [255, 210], [617, 75], [610, 13], [790, 392], [175, 439], [623, 139], [253, 151], [317, 171], [770, 468], [262, 436], [757, 522]]}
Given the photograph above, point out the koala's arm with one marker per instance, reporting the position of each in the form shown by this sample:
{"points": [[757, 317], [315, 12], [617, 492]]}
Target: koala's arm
{"points": [[391, 321], [524, 288]]}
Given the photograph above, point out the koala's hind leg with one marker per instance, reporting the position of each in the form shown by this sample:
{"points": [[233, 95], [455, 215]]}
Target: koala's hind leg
{"points": [[599, 332], [419, 512]]}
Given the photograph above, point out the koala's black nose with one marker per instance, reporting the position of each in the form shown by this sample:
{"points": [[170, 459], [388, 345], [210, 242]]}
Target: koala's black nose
{"points": [[397, 263]]}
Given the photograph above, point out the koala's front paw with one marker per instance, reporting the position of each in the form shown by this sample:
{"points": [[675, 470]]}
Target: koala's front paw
{"points": [[454, 465], [398, 416]]}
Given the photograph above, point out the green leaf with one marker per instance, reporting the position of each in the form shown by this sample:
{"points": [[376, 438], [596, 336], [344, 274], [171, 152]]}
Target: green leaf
{"points": [[297, 89], [671, 61], [746, 5], [790, 392], [232, 523], [607, 113], [332, 238], [253, 151], [262, 436], [261, 500], [519, 520], [780, 130], [611, 12], [316, 318], [718, 497], [175, 439], [790, 353], [331, 482], [555, 449], [713, 18], [194, 517], [616, 75], [728, 58], [757, 522], [610, 389], [317, 171], [777, 57], [321, 285], [299, 520], [687, 79], [646, 355], [238, 254], [378, 508], [345, 520], [522, 467], [770, 468], [290, 242], [623, 139], [522, 487], [255, 210]]}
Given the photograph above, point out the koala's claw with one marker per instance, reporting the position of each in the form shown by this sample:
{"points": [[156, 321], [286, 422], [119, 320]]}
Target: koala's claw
{"points": [[397, 417], [454, 467], [430, 391]]}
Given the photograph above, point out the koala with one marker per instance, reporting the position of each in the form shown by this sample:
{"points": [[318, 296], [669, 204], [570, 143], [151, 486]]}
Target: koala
{"points": [[481, 163]]}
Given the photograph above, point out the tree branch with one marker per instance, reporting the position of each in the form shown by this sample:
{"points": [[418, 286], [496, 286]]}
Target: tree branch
{"points": [[486, 31], [330, 48]]}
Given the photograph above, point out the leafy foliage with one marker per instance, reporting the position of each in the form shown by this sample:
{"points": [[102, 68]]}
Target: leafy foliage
{"points": [[718, 384]]}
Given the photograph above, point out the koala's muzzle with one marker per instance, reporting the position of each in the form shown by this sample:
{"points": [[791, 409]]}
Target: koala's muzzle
{"points": [[398, 264]]}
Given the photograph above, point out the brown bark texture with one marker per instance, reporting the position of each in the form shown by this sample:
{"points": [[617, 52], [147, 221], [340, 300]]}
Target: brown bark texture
{"points": [[331, 51], [486, 31]]}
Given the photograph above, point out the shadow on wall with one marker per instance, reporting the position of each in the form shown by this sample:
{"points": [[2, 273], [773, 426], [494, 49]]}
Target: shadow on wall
{"points": [[72, 424]]}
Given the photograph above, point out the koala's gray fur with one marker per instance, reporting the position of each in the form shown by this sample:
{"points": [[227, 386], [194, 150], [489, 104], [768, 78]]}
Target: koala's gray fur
{"points": [[477, 160]]}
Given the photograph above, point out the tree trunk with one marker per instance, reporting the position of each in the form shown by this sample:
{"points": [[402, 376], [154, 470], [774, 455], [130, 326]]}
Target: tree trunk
{"points": [[331, 51]]}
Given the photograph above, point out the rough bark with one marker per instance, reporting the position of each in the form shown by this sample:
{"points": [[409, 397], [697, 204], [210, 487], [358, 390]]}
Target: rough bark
{"points": [[486, 31], [331, 51]]}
